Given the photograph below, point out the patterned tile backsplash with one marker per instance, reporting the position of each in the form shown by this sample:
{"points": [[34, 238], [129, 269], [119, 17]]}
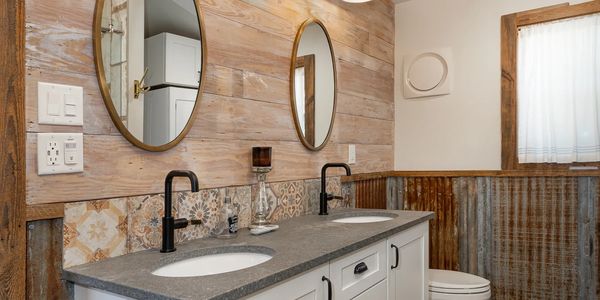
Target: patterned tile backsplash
{"points": [[95, 230]]}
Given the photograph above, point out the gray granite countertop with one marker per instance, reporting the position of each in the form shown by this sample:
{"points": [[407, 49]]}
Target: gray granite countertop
{"points": [[299, 244]]}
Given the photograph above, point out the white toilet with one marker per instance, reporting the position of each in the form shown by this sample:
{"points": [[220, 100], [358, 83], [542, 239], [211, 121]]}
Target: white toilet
{"points": [[452, 285]]}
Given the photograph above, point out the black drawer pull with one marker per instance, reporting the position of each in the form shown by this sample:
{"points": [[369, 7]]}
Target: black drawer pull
{"points": [[397, 256], [360, 268], [329, 292]]}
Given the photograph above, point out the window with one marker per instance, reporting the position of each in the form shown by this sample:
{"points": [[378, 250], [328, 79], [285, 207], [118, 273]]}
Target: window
{"points": [[551, 87]]}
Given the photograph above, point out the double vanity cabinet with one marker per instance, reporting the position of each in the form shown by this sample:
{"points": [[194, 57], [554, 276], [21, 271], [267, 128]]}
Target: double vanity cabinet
{"points": [[393, 268], [313, 257]]}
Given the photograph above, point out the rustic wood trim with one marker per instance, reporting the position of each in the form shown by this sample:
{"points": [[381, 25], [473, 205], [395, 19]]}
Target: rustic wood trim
{"points": [[472, 173], [509, 33], [508, 54], [97, 46], [557, 12], [292, 86], [45, 211], [12, 159]]}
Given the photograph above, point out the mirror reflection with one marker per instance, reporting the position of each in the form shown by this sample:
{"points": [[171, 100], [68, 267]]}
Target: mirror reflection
{"points": [[313, 84], [151, 63]]}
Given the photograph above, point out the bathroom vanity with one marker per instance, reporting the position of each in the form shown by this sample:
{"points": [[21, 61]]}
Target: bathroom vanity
{"points": [[311, 257]]}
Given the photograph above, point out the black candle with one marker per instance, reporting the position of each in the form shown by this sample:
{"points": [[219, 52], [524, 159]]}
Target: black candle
{"points": [[261, 156]]}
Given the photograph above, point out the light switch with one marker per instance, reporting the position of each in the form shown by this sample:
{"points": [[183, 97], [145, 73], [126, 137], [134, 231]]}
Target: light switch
{"points": [[351, 154], [60, 104], [53, 103], [59, 153], [70, 105]]}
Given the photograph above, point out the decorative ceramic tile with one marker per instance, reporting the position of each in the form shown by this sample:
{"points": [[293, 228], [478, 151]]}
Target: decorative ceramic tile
{"points": [[241, 197], [94, 230], [145, 222], [334, 187], [206, 205], [286, 199]]}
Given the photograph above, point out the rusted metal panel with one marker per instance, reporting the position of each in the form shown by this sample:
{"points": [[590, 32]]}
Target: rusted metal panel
{"points": [[371, 193], [535, 238], [484, 227], [395, 193], [436, 194]]}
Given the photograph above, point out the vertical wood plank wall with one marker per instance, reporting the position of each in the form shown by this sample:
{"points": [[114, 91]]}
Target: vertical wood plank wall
{"points": [[12, 151], [245, 104], [533, 237]]}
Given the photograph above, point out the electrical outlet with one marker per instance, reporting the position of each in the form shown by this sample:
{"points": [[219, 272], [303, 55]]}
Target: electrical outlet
{"points": [[60, 153], [351, 154]]}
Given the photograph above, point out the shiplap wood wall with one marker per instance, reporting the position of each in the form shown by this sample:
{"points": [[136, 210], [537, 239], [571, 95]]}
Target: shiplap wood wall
{"points": [[245, 102]]}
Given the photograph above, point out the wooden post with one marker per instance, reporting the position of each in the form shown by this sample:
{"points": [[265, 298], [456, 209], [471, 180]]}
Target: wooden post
{"points": [[12, 150]]}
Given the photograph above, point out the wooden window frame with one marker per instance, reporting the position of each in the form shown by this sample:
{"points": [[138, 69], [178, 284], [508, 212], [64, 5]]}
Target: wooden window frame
{"points": [[509, 32]]}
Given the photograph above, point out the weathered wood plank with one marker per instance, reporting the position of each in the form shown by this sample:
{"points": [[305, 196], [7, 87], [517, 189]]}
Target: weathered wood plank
{"points": [[348, 129], [587, 236], [217, 162], [235, 118], [364, 60], [358, 106], [265, 88], [234, 45], [44, 263], [362, 82], [45, 211], [252, 16], [12, 150]]}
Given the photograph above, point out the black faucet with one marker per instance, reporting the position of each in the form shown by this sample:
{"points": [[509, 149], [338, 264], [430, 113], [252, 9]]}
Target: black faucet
{"points": [[169, 224], [324, 196]]}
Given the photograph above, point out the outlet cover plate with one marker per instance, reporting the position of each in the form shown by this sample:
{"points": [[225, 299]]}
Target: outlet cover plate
{"points": [[51, 153]]}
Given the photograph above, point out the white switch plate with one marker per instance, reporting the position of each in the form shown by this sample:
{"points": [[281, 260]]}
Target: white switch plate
{"points": [[60, 104], [55, 158], [351, 154]]}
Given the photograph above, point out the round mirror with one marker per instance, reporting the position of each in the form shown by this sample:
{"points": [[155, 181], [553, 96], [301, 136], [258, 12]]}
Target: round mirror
{"points": [[313, 84], [150, 62]]}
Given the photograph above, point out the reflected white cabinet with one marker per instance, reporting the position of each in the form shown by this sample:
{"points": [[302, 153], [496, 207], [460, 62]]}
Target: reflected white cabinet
{"points": [[306, 286], [160, 127], [408, 272], [173, 60]]}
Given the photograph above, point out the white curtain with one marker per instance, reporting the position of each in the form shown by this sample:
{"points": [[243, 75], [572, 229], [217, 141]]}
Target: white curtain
{"points": [[558, 91]]}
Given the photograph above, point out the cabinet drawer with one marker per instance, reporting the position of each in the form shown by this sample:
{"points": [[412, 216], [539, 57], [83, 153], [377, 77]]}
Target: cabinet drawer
{"points": [[379, 291], [358, 271]]}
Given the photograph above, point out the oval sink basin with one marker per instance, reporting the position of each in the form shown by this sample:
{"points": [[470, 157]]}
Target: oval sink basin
{"points": [[212, 264], [362, 219]]}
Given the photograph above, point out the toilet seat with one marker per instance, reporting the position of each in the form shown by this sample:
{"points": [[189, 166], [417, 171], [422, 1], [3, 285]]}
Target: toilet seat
{"points": [[446, 282]]}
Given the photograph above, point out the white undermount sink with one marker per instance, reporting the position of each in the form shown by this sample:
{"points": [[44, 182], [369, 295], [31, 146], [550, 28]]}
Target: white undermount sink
{"points": [[212, 264], [367, 218]]}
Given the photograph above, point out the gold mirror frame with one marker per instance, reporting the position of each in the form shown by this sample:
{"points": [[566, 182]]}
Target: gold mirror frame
{"points": [[106, 93], [293, 85]]}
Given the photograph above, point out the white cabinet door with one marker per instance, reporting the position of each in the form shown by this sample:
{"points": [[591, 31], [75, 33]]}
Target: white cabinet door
{"points": [[173, 60], [183, 60], [306, 286], [409, 264]]}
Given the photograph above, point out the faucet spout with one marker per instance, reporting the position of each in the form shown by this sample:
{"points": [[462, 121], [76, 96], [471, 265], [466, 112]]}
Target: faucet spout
{"points": [[169, 223], [324, 197]]}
